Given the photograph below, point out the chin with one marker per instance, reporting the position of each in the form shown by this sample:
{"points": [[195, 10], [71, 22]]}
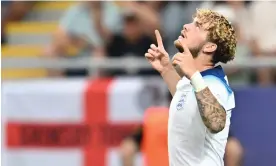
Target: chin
{"points": [[178, 46]]}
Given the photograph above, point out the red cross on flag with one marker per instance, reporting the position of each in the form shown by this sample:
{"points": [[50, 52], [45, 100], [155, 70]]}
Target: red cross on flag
{"points": [[73, 122]]}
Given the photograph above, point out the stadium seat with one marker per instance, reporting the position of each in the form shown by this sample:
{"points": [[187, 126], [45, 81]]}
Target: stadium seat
{"points": [[21, 51], [53, 5], [28, 37], [23, 73], [30, 27]]}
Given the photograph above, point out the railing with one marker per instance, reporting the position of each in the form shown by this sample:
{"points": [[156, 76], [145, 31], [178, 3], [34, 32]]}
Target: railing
{"points": [[129, 63]]}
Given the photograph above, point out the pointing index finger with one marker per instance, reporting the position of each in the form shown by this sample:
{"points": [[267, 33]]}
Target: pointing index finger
{"points": [[159, 39]]}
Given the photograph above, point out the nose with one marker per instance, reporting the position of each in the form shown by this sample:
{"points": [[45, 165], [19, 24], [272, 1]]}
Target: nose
{"points": [[185, 27]]}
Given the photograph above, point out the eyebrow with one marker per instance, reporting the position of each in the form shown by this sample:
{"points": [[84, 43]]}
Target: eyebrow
{"points": [[195, 20], [197, 23]]}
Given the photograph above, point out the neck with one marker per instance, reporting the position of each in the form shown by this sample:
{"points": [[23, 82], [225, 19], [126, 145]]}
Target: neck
{"points": [[204, 62]]}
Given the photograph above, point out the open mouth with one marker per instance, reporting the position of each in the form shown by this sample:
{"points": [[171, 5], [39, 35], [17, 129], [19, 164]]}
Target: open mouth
{"points": [[183, 34], [177, 44]]}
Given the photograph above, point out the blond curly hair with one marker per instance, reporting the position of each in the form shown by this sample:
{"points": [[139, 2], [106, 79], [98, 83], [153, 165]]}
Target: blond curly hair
{"points": [[221, 32]]}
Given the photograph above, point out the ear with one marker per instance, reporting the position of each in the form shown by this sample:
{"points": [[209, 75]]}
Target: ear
{"points": [[209, 48]]}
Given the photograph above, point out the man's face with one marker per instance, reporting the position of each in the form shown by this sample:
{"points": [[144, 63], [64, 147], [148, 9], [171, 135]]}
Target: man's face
{"points": [[194, 36]]}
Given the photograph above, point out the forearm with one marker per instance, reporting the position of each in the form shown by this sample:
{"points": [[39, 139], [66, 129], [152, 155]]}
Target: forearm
{"points": [[149, 17], [212, 113], [171, 78]]}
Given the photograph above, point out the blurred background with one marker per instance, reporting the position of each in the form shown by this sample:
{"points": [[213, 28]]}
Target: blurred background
{"points": [[75, 81]]}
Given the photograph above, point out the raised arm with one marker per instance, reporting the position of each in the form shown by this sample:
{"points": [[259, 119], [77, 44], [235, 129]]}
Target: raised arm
{"points": [[160, 61]]}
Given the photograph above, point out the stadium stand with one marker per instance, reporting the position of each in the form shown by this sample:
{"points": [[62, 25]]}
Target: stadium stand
{"points": [[26, 38]]}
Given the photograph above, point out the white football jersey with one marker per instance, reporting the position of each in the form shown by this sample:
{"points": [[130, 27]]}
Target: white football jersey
{"points": [[190, 143]]}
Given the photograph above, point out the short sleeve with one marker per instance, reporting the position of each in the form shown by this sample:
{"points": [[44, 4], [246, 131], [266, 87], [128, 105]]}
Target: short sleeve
{"points": [[221, 91], [68, 18], [78, 15]]}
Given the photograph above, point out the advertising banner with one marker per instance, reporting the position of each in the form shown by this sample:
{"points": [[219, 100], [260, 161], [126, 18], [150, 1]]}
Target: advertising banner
{"points": [[81, 122], [73, 122]]}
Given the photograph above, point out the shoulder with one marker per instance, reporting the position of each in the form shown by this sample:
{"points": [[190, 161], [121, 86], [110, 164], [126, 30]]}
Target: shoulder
{"points": [[218, 85], [71, 15], [217, 80], [221, 90], [73, 10]]}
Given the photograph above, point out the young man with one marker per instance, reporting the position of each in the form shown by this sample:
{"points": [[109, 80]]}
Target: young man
{"points": [[200, 110]]}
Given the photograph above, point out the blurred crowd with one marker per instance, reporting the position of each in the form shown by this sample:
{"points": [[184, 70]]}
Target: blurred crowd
{"points": [[120, 29]]}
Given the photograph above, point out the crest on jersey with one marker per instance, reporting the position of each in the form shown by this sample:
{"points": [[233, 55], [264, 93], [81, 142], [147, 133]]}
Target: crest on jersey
{"points": [[181, 102]]}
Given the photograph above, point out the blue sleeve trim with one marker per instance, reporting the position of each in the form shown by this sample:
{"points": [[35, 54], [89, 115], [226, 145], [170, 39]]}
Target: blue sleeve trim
{"points": [[218, 73]]}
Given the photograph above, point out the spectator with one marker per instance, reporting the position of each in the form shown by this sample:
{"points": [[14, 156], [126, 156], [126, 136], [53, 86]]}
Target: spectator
{"points": [[156, 15], [148, 17], [79, 30], [172, 16], [162, 15], [263, 32], [133, 41], [107, 17], [96, 23]]}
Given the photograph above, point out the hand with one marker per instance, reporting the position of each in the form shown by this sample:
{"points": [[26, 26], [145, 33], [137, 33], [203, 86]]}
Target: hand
{"points": [[157, 56], [184, 61]]}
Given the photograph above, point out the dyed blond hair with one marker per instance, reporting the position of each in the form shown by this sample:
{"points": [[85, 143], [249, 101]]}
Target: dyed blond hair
{"points": [[221, 32]]}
